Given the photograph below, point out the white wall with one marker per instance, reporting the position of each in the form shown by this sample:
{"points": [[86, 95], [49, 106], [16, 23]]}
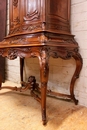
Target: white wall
{"points": [[79, 29], [61, 71]]}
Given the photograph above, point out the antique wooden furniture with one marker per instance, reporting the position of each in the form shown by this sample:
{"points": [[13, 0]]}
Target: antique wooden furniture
{"points": [[41, 28], [3, 11]]}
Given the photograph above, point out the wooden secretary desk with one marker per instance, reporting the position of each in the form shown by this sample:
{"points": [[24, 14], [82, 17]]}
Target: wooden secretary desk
{"points": [[41, 28]]}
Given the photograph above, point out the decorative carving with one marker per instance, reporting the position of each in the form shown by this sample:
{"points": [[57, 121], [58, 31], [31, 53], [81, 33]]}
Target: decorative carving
{"points": [[25, 28], [32, 16], [43, 84], [16, 21], [31, 84], [12, 54], [32, 81], [44, 54], [43, 33], [61, 52], [15, 2], [42, 39]]}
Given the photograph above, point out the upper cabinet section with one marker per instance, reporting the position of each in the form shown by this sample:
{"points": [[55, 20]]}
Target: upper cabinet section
{"points": [[26, 16], [29, 16]]}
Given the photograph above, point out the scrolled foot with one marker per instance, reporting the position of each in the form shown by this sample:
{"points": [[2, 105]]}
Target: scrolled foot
{"points": [[76, 102], [44, 122]]}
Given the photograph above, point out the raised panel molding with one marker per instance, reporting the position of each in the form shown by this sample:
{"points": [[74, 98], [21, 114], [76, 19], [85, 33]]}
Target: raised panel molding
{"points": [[32, 10]]}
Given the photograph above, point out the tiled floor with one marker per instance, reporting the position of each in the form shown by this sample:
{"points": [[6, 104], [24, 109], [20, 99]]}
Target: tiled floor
{"points": [[19, 111]]}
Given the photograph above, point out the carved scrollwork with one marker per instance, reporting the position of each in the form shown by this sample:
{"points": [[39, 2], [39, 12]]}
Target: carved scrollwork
{"points": [[12, 54], [32, 27], [25, 28], [32, 81], [62, 52], [32, 16], [15, 41], [9, 53]]}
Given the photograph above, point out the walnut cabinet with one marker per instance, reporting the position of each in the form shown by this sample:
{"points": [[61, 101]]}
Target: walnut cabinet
{"points": [[41, 28]]}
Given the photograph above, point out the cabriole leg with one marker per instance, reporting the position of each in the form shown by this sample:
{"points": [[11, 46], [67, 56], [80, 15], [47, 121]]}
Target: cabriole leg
{"points": [[78, 60], [44, 72]]}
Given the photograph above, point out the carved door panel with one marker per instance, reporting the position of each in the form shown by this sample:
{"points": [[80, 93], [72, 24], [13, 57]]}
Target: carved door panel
{"points": [[32, 11], [25, 11], [24, 14], [2, 34]]}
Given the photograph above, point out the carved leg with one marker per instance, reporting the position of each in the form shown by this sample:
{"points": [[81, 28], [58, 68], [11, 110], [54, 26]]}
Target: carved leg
{"points": [[43, 101], [78, 60], [44, 72], [21, 68]]}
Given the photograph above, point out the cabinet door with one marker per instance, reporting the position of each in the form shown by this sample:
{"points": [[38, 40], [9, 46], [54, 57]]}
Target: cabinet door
{"points": [[26, 15], [2, 35], [33, 11], [25, 11]]}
